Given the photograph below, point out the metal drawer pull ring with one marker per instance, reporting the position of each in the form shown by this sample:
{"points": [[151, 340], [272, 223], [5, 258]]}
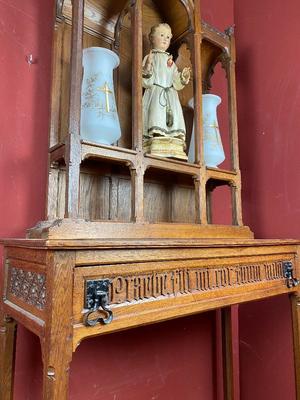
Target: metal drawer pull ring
{"points": [[96, 299]]}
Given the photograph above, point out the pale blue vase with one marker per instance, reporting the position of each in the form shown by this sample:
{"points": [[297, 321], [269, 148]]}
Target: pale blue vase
{"points": [[99, 117], [212, 144]]}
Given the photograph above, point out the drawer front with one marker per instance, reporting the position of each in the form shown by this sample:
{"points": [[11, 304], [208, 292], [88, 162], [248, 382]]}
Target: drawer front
{"points": [[146, 292]]}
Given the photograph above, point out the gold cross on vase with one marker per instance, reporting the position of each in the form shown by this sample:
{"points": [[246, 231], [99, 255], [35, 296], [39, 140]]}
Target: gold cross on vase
{"points": [[107, 91], [215, 126]]}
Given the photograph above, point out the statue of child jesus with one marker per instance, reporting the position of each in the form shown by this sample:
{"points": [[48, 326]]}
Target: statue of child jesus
{"points": [[164, 127]]}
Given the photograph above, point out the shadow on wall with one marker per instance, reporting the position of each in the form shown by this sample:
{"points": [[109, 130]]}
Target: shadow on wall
{"points": [[247, 132]]}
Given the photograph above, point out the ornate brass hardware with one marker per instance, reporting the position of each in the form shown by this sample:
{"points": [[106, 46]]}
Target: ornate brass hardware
{"points": [[288, 270], [96, 299]]}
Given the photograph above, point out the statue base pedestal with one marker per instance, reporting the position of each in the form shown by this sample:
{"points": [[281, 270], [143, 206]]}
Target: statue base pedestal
{"points": [[165, 147]]}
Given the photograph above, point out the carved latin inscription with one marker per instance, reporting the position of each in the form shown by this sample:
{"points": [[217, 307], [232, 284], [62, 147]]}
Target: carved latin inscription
{"points": [[188, 280], [28, 286]]}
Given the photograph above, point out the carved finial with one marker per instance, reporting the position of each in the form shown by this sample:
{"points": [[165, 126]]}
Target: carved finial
{"points": [[230, 31]]}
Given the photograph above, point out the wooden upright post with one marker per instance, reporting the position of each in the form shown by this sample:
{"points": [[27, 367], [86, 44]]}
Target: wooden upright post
{"points": [[137, 85], [200, 181], [198, 84], [7, 348], [73, 150], [137, 171], [233, 129]]}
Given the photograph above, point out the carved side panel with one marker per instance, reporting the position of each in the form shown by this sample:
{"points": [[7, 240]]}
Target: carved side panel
{"points": [[27, 286]]}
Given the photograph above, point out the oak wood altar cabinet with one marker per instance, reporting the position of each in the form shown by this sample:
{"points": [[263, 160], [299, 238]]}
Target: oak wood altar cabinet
{"points": [[131, 239]]}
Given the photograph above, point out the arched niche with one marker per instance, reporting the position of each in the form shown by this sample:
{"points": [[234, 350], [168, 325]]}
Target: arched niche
{"points": [[179, 15]]}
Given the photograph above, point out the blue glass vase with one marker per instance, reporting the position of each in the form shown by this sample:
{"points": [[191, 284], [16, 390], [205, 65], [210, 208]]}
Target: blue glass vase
{"points": [[99, 117], [212, 144], [213, 148]]}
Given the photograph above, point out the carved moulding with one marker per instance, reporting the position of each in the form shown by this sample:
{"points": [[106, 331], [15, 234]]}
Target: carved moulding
{"points": [[132, 288]]}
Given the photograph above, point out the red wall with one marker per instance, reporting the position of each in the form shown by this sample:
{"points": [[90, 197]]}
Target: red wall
{"points": [[268, 70], [25, 28]]}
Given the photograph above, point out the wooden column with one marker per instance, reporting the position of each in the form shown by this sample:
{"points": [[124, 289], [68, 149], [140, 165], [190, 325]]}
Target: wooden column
{"points": [[7, 359], [57, 342], [137, 171], [197, 84], [230, 60], [236, 199], [233, 130], [200, 181], [137, 193], [209, 191], [73, 147], [7, 345], [201, 197], [137, 88]]}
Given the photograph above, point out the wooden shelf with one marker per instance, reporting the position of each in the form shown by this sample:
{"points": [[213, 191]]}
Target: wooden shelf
{"points": [[94, 150], [222, 175], [171, 165]]}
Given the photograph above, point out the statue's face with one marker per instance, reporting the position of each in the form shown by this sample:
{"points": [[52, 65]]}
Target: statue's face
{"points": [[161, 38]]}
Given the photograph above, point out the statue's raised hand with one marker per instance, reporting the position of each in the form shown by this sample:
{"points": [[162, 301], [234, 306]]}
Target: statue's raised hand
{"points": [[186, 75]]}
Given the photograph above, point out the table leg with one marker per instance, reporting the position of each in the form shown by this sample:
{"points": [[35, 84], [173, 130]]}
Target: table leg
{"points": [[295, 304], [7, 356], [57, 342], [230, 369], [56, 361]]}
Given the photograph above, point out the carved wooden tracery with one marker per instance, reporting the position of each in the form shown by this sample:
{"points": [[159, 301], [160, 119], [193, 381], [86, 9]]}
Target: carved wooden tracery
{"points": [[28, 286]]}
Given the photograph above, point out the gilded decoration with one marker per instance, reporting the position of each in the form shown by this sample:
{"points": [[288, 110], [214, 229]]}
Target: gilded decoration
{"points": [[91, 98]]}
